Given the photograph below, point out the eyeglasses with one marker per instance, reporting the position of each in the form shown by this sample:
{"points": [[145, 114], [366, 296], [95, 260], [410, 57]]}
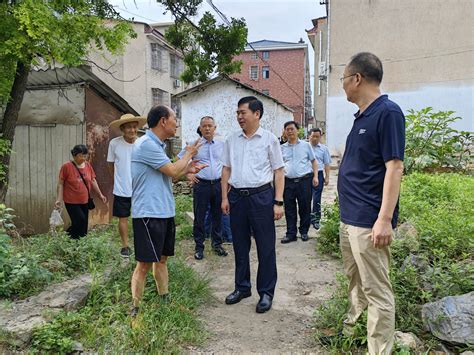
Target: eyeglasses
{"points": [[345, 77]]}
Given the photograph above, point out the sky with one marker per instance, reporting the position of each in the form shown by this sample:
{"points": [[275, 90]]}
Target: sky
{"points": [[279, 20]]}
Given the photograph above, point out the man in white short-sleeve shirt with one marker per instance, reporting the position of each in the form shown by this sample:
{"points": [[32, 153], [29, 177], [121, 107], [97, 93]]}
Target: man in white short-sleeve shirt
{"points": [[252, 160], [119, 163]]}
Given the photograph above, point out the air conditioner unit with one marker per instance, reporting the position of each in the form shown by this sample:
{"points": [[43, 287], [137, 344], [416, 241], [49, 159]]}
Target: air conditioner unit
{"points": [[177, 83]]}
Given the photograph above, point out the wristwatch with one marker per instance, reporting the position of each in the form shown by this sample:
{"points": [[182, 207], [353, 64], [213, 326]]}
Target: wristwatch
{"points": [[278, 203]]}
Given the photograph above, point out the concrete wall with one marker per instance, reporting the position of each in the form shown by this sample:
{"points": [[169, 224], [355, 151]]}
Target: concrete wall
{"points": [[427, 49], [133, 78], [292, 65], [220, 101]]}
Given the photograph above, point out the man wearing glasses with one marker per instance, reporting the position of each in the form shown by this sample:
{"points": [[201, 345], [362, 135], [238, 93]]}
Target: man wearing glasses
{"points": [[368, 187]]}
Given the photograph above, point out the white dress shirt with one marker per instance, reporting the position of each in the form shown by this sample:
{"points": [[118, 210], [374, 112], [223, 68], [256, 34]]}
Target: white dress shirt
{"points": [[252, 159]]}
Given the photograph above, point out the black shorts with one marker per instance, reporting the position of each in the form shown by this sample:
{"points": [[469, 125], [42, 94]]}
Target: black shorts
{"points": [[122, 206], [153, 237]]}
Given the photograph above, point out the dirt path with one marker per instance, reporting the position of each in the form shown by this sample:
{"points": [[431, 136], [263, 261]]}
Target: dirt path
{"points": [[305, 279]]}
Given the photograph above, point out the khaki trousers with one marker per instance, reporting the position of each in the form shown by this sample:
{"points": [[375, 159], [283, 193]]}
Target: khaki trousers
{"points": [[367, 269]]}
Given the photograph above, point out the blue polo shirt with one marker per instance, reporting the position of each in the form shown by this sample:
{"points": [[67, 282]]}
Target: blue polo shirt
{"points": [[152, 191], [377, 136]]}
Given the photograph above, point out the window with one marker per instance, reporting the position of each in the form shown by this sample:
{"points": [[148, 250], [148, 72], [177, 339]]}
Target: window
{"points": [[160, 97], [157, 57], [265, 55], [176, 66], [254, 72], [254, 55], [176, 107], [265, 72], [266, 92]]}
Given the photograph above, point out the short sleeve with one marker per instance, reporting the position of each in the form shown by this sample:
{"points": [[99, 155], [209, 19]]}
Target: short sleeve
{"points": [[311, 155], [111, 152], [276, 157], [392, 135], [63, 172], [152, 155], [327, 157], [93, 176], [225, 158]]}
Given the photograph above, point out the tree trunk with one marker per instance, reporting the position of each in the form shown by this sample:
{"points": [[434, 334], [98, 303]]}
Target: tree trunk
{"points": [[10, 118]]}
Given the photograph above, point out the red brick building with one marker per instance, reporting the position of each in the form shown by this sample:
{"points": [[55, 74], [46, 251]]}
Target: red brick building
{"points": [[279, 69]]}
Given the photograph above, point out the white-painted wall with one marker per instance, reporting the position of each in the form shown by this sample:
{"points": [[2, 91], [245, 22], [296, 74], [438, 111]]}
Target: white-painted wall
{"points": [[220, 101], [426, 47], [441, 98]]}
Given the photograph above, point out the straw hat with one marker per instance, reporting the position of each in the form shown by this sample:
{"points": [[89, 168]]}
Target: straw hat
{"points": [[128, 117]]}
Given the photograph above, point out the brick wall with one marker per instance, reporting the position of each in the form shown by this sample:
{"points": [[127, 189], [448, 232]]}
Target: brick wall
{"points": [[289, 63]]}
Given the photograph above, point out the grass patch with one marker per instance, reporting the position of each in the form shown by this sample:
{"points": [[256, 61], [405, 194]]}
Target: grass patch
{"points": [[441, 208], [28, 265], [104, 325]]}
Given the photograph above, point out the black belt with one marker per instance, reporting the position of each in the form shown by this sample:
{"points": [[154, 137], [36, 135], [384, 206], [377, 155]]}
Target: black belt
{"points": [[211, 182], [298, 179], [251, 190]]}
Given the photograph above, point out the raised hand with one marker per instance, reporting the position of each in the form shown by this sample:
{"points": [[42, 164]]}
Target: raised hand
{"points": [[194, 148]]}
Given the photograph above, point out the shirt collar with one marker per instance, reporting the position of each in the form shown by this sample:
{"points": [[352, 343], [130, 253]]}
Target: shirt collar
{"points": [[371, 107], [258, 132], [155, 138], [297, 142]]}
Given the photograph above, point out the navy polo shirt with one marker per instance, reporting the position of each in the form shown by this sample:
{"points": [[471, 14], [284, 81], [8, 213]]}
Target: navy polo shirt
{"points": [[377, 136]]}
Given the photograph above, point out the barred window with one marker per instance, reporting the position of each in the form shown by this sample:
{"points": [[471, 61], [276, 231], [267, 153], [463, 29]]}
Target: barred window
{"points": [[265, 55], [254, 72], [176, 66], [254, 55], [158, 57], [160, 97]]}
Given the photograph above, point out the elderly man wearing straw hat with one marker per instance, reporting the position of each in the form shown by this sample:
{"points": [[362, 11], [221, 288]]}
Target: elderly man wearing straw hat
{"points": [[119, 163]]}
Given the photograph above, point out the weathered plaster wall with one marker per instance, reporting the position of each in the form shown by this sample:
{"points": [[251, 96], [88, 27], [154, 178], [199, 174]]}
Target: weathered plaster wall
{"points": [[220, 101]]}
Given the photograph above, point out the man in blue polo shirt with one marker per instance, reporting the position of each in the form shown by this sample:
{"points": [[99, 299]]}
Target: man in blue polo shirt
{"points": [[153, 205], [369, 187], [321, 152], [301, 173]]}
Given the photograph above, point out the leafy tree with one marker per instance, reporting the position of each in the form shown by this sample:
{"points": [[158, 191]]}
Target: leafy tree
{"points": [[55, 31], [208, 47]]}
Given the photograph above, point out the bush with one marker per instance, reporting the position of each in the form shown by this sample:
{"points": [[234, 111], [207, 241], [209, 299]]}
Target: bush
{"points": [[27, 265], [441, 208], [328, 239], [431, 142]]}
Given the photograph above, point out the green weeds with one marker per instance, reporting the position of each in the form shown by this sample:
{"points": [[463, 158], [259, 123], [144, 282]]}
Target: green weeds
{"points": [[435, 263]]}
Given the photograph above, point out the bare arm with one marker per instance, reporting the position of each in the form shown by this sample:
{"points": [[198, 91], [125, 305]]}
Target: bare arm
{"points": [[314, 165], [279, 187], [60, 190], [95, 187], [382, 229], [181, 166], [111, 168], [327, 172], [225, 189]]}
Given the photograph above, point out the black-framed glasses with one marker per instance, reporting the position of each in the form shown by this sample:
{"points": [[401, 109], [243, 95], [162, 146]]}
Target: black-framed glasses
{"points": [[345, 77]]}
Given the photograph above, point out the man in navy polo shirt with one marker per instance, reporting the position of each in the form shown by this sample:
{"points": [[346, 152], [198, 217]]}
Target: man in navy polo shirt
{"points": [[369, 186]]}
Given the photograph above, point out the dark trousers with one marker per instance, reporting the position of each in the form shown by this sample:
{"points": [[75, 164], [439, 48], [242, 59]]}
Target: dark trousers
{"points": [[205, 195], [297, 191], [79, 214], [254, 212], [317, 193]]}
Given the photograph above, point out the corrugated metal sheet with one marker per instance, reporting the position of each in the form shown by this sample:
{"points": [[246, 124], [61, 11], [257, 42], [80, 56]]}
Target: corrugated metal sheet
{"points": [[38, 153]]}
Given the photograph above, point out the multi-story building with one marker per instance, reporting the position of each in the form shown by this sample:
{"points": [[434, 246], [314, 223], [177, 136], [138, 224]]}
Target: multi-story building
{"points": [[427, 52], [281, 70], [147, 73]]}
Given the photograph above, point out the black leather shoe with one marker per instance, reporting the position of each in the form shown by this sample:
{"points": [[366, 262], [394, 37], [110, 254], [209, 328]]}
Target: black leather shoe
{"points": [[220, 251], [304, 237], [199, 255], [264, 304], [287, 240], [237, 296]]}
